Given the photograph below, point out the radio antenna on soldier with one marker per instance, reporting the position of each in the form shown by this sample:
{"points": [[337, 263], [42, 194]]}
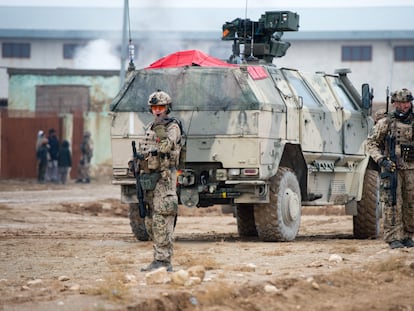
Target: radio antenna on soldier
{"points": [[387, 93]]}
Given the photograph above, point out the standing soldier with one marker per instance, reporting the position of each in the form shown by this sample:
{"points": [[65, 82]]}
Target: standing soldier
{"points": [[391, 145], [158, 176], [85, 160]]}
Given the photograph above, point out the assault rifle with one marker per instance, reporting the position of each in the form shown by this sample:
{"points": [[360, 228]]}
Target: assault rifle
{"points": [[140, 193], [393, 176]]}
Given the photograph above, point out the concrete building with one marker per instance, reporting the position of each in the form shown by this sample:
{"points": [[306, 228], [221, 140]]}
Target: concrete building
{"points": [[376, 43]]}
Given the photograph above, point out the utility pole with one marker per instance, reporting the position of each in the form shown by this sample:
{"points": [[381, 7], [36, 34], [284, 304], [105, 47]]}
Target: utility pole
{"points": [[124, 44]]}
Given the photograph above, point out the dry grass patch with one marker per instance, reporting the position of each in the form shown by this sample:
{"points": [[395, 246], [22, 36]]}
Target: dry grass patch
{"points": [[188, 260], [390, 264], [216, 294], [113, 288]]}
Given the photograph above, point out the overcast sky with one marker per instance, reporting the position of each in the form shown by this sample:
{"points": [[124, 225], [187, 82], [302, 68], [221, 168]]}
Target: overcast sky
{"points": [[211, 3]]}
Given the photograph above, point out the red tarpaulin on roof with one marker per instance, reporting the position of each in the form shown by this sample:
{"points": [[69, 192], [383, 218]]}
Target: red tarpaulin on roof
{"points": [[188, 58]]}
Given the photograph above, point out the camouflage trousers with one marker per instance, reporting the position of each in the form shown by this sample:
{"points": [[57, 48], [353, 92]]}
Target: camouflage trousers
{"points": [[84, 170], [162, 207], [399, 219]]}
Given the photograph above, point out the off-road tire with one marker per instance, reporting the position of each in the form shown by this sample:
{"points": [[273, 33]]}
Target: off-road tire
{"points": [[279, 220], [245, 220], [137, 223], [367, 221]]}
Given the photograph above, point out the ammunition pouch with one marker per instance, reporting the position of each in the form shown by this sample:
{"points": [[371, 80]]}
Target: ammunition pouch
{"points": [[153, 160], [149, 181], [165, 161], [164, 155], [407, 153]]}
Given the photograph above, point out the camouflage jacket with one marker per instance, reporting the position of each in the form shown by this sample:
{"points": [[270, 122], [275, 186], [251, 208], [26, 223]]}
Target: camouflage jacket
{"points": [[377, 146]]}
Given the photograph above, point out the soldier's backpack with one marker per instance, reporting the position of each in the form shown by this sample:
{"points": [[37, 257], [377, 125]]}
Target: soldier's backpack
{"points": [[182, 142]]}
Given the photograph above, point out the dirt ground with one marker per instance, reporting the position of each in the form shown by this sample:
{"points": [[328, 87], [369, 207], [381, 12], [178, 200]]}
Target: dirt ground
{"points": [[70, 247]]}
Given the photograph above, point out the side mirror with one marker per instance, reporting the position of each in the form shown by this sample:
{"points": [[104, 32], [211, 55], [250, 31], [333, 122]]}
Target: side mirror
{"points": [[367, 96]]}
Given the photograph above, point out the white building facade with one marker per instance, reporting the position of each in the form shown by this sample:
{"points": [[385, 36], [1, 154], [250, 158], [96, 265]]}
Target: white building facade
{"points": [[381, 55]]}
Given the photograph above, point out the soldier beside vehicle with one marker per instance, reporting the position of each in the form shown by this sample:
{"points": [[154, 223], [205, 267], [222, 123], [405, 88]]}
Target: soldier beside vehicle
{"points": [[156, 164], [391, 144]]}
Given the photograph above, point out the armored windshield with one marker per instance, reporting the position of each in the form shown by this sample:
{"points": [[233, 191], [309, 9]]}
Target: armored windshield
{"points": [[190, 88]]}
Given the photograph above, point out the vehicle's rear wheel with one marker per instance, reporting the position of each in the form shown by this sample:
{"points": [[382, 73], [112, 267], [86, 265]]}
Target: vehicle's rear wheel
{"points": [[137, 223], [245, 220], [367, 221], [279, 220]]}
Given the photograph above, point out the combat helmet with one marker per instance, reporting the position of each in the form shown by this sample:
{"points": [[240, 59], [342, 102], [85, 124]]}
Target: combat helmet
{"points": [[402, 95], [160, 98]]}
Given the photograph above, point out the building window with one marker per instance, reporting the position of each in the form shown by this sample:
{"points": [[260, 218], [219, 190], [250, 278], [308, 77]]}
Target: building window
{"points": [[356, 53], [15, 50], [69, 50], [404, 53]]}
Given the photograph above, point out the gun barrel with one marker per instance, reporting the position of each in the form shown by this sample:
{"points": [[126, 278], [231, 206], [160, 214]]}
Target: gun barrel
{"points": [[140, 192]]}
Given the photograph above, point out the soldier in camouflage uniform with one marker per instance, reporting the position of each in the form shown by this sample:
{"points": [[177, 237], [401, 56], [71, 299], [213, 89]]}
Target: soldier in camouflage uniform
{"points": [[397, 127], [85, 160], [158, 174]]}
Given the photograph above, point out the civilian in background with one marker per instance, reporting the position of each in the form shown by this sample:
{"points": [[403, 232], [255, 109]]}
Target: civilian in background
{"points": [[52, 166], [41, 156], [40, 136], [64, 162]]}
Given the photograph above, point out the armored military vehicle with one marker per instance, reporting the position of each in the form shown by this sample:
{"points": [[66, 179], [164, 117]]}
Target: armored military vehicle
{"points": [[263, 139]]}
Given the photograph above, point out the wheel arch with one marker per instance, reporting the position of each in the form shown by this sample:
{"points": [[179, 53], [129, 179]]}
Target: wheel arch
{"points": [[293, 158], [367, 164]]}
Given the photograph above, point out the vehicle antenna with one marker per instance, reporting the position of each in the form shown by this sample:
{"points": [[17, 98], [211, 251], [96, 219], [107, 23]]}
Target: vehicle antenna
{"points": [[245, 32], [251, 57], [131, 65]]}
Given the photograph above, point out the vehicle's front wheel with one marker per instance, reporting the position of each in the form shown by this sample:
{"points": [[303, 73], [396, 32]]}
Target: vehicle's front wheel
{"points": [[245, 220], [367, 221], [279, 220], [137, 223]]}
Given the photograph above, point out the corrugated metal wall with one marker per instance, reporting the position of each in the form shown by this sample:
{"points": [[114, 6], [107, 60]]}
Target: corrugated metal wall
{"points": [[18, 137]]}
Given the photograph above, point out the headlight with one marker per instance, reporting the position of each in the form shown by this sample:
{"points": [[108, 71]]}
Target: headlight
{"points": [[234, 171], [221, 174]]}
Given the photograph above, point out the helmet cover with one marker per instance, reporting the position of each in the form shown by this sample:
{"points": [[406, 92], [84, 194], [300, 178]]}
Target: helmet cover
{"points": [[402, 95], [159, 98]]}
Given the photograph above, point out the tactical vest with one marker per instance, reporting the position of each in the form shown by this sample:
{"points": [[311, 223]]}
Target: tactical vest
{"points": [[156, 161], [404, 141]]}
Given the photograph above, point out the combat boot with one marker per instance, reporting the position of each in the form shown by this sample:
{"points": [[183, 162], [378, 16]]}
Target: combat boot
{"points": [[408, 242], [396, 244], [157, 264]]}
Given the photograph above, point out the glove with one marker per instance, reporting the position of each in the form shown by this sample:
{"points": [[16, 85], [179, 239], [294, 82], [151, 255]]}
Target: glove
{"points": [[160, 131], [388, 165]]}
